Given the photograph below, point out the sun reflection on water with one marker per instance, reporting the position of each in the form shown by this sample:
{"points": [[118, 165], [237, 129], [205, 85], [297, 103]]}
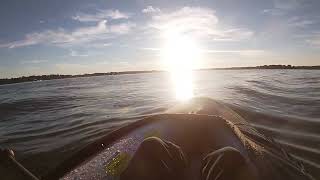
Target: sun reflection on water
{"points": [[180, 53], [183, 84]]}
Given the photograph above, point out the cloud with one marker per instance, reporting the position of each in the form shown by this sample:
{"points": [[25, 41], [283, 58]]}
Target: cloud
{"points": [[243, 52], [122, 28], [314, 40], [101, 15], [74, 53], [150, 9], [198, 22], [282, 7], [246, 52], [100, 28], [78, 36], [106, 44], [45, 37], [236, 34], [273, 12], [300, 22], [286, 4], [35, 61], [186, 19], [149, 49], [61, 37], [97, 45]]}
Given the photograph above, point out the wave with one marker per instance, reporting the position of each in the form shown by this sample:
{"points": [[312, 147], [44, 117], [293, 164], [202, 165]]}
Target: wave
{"points": [[47, 121], [298, 136]]}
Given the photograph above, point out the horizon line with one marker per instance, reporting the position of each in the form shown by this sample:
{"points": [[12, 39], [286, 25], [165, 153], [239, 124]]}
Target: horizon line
{"points": [[272, 66]]}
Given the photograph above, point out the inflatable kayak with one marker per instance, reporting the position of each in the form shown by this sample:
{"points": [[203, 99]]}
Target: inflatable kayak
{"points": [[198, 127]]}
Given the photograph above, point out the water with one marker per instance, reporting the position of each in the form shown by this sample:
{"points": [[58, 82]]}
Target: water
{"points": [[45, 122]]}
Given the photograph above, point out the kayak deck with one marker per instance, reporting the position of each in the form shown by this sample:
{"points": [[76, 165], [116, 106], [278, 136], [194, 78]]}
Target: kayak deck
{"points": [[198, 127], [197, 135]]}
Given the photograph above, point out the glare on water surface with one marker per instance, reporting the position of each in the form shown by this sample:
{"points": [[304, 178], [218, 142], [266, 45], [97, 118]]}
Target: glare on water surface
{"points": [[180, 53]]}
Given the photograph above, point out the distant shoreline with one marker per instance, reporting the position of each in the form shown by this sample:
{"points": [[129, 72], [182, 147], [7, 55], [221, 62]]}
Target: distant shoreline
{"points": [[59, 76], [268, 67]]}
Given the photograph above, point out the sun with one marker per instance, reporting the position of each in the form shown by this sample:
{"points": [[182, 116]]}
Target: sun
{"points": [[180, 53]]}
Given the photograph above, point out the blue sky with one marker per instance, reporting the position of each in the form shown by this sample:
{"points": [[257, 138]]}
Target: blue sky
{"points": [[77, 36]]}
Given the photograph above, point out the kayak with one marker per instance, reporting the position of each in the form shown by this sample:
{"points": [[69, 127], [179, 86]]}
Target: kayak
{"points": [[198, 127]]}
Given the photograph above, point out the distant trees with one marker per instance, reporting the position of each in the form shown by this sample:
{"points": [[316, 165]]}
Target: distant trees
{"points": [[287, 67], [273, 67], [60, 76], [33, 78], [276, 67]]}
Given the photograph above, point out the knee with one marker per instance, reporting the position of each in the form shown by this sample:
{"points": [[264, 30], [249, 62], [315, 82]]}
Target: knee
{"points": [[226, 163], [229, 155], [151, 143], [233, 155], [229, 150]]}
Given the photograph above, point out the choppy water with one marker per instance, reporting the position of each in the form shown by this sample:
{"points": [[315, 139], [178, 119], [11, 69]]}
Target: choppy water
{"points": [[44, 122]]}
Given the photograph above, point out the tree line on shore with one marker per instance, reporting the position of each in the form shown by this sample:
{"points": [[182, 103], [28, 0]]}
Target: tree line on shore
{"points": [[60, 76]]}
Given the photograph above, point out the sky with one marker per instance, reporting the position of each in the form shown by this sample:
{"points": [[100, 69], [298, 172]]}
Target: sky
{"points": [[77, 36]]}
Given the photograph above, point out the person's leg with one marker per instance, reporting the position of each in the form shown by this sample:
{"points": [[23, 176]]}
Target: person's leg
{"points": [[225, 164], [156, 159]]}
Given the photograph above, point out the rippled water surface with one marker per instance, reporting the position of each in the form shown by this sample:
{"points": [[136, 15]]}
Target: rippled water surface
{"points": [[45, 122]]}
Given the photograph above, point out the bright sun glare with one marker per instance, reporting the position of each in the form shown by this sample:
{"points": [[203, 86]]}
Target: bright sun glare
{"points": [[180, 53]]}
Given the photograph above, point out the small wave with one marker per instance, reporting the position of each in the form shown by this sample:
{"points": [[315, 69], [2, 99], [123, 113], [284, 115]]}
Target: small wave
{"points": [[52, 103], [264, 96], [299, 137]]}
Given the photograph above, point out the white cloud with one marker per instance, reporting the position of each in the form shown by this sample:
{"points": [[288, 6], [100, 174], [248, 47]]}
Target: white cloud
{"points": [[106, 44], [150, 49], [314, 40], [101, 15], [97, 45], [122, 28], [46, 37], [243, 52], [74, 53], [78, 36], [300, 22], [236, 34], [286, 4], [282, 7], [273, 12], [200, 22], [94, 30], [35, 61], [150, 9], [187, 19]]}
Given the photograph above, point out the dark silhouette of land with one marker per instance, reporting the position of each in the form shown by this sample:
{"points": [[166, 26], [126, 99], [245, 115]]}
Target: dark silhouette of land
{"points": [[272, 67], [59, 76]]}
